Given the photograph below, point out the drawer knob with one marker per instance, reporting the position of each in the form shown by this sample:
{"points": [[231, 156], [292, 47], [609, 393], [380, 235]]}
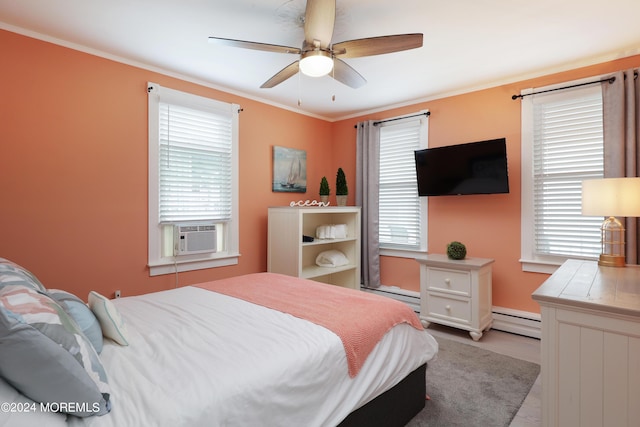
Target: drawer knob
{"points": [[448, 308], [447, 281]]}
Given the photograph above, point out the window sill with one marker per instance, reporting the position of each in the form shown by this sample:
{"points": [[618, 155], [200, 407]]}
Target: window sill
{"points": [[548, 266], [403, 253], [171, 266], [535, 266]]}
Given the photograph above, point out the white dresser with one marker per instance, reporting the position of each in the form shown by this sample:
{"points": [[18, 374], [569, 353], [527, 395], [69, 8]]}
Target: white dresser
{"points": [[456, 293], [590, 345]]}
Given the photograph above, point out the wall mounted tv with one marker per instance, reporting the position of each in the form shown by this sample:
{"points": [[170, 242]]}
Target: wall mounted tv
{"points": [[473, 168]]}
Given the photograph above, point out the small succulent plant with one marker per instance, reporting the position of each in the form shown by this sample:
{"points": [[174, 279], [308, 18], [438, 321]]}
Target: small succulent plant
{"points": [[456, 250]]}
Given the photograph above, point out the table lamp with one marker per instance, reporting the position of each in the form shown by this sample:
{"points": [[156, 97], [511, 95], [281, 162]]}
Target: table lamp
{"points": [[611, 198]]}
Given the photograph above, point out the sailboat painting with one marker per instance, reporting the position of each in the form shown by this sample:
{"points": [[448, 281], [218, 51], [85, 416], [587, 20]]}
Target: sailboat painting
{"points": [[289, 170]]}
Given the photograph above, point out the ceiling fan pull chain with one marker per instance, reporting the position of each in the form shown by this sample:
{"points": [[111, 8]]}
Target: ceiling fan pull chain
{"points": [[333, 76], [299, 89]]}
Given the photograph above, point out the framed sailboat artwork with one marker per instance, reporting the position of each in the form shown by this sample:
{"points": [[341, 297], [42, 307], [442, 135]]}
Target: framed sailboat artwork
{"points": [[289, 170]]}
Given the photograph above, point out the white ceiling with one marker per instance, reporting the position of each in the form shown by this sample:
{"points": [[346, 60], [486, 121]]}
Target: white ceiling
{"points": [[468, 44]]}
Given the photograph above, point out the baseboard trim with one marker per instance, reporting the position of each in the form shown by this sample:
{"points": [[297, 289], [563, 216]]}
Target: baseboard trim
{"points": [[504, 319], [517, 322]]}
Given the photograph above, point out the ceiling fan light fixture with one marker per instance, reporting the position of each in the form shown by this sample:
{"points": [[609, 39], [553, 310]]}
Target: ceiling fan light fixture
{"points": [[316, 63]]}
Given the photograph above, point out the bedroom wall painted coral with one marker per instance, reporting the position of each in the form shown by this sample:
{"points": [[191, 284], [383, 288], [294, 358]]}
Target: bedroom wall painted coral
{"points": [[73, 172], [73, 169], [489, 225]]}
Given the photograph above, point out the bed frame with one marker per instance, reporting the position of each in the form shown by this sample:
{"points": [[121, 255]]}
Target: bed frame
{"points": [[395, 407]]}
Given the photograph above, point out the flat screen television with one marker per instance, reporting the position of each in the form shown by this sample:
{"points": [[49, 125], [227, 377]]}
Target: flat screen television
{"points": [[472, 168]]}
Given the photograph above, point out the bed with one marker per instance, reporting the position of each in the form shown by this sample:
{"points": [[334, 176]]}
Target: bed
{"points": [[203, 355]]}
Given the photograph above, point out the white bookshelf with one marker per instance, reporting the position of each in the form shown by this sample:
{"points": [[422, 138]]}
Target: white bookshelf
{"points": [[288, 254]]}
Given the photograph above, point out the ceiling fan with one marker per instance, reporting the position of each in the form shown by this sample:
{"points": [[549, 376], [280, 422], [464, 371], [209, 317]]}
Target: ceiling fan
{"points": [[318, 57]]}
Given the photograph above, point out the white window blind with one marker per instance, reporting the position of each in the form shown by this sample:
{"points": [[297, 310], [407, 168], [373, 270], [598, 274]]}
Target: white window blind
{"points": [[567, 149], [193, 176], [195, 164], [399, 204]]}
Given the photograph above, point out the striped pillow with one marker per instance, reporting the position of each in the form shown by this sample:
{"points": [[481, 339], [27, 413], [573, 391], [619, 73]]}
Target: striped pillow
{"points": [[46, 356]]}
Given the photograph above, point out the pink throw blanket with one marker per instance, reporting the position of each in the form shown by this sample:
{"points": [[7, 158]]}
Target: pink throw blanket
{"points": [[359, 318]]}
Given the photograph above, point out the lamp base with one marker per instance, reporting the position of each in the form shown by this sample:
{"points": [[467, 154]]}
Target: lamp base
{"points": [[611, 261]]}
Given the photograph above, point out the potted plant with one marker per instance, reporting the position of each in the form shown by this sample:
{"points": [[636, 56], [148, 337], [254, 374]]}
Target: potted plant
{"points": [[324, 190], [456, 250], [341, 188]]}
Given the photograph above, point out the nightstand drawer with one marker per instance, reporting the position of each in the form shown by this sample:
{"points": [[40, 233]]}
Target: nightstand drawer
{"points": [[449, 281], [452, 309]]}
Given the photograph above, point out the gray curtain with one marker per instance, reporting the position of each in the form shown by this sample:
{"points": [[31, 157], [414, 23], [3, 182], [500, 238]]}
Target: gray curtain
{"points": [[367, 180], [621, 109]]}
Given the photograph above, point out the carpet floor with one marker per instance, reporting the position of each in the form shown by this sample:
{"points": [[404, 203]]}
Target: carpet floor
{"points": [[469, 386]]}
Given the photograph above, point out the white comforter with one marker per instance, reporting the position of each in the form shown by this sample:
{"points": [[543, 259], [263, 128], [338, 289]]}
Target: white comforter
{"points": [[199, 358]]}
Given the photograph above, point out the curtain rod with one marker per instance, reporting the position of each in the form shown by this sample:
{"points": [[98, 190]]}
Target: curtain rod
{"points": [[610, 80], [428, 113]]}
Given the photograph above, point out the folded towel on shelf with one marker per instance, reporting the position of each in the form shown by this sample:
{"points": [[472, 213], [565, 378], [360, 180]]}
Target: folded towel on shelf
{"points": [[331, 231], [331, 258]]}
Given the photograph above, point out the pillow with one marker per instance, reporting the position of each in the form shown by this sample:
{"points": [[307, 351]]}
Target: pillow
{"points": [[331, 258], [46, 357], [109, 317], [82, 314], [31, 415], [12, 274]]}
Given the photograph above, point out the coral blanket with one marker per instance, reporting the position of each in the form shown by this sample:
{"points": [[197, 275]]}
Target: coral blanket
{"points": [[359, 318]]}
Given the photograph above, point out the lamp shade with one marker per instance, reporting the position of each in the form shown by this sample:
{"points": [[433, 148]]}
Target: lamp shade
{"points": [[316, 63], [611, 197]]}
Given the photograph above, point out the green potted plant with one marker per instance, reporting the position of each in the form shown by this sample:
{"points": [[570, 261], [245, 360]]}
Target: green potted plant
{"points": [[324, 190], [341, 188], [456, 250]]}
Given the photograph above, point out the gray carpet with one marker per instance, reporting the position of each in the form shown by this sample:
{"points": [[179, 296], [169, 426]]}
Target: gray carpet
{"points": [[470, 386]]}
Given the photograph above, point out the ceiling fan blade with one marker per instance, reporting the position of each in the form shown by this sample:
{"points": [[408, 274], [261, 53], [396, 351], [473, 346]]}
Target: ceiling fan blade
{"points": [[345, 74], [282, 75], [319, 19], [254, 45], [377, 45]]}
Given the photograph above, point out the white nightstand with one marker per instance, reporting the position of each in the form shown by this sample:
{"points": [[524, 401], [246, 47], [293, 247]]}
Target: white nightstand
{"points": [[456, 293]]}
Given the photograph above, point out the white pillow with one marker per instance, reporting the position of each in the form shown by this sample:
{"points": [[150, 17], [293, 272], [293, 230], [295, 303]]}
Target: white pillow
{"points": [[331, 258], [112, 324]]}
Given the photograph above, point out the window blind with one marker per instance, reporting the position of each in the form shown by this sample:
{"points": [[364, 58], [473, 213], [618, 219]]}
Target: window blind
{"points": [[399, 204], [568, 148], [195, 165]]}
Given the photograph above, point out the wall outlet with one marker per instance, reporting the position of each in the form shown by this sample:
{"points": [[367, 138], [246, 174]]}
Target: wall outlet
{"points": [[117, 294]]}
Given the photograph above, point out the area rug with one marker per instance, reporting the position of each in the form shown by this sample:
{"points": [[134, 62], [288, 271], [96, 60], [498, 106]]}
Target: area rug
{"points": [[470, 386]]}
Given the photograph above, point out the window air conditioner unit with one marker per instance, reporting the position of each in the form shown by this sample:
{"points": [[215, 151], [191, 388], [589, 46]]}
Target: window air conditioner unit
{"points": [[194, 239]]}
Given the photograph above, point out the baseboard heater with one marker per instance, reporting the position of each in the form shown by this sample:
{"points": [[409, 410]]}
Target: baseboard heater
{"points": [[517, 322], [504, 319]]}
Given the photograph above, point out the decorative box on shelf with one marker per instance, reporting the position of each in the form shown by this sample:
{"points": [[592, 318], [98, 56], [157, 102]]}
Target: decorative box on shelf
{"points": [[289, 253], [456, 293]]}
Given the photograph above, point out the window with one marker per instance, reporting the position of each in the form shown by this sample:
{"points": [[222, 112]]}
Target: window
{"points": [[402, 214], [562, 145], [193, 176]]}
